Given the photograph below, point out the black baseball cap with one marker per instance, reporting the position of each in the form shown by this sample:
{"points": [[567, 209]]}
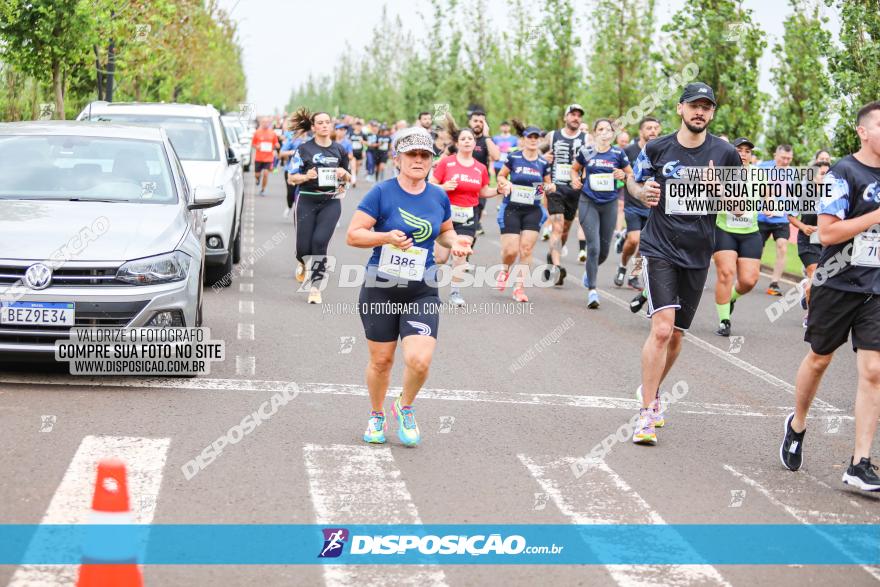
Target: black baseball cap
{"points": [[743, 141], [697, 91]]}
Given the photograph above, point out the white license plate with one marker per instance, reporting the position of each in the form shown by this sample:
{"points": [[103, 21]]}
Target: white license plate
{"points": [[37, 313]]}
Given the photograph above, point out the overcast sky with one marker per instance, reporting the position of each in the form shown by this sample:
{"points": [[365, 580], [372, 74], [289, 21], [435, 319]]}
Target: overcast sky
{"points": [[276, 35]]}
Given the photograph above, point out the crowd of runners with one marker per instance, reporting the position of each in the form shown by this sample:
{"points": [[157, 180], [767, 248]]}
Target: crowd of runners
{"points": [[426, 208]]}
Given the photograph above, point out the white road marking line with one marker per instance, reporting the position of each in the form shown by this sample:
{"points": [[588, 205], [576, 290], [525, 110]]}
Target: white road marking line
{"points": [[735, 361], [245, 331], [246, 287], [247, 273], [517, 398], [246, 307], [72, 501], [245, 365], [807, 517], [362, 485], [601, 496]]}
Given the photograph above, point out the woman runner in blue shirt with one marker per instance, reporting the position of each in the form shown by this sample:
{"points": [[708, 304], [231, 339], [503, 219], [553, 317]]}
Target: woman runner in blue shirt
{"points": [[400, 219]]}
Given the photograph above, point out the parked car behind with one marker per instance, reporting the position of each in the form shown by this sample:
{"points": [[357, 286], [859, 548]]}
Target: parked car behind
{"points": [[98, 227], [208, 159]]}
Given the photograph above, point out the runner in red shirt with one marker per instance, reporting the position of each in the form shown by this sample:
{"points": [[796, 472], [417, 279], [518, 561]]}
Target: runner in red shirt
{"points": [[465, 180], [265, 142]]}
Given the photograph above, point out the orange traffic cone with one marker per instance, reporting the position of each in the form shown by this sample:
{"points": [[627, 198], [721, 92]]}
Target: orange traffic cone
{"points": [[110, 563]]}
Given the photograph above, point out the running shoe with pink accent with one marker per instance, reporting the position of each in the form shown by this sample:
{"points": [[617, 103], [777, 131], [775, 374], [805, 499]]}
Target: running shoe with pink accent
{"points": [[644, 432], [656, 408], [376, 428]]}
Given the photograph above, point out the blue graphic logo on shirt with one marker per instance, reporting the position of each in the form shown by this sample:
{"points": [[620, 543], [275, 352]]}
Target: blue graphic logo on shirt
{"points": [[423, 227], [872, 193], [321, 159], [673, 170]]}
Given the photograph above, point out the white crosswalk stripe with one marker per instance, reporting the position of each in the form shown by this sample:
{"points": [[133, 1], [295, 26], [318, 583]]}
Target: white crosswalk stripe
{"points": [[362, 485], [629, 403], [71, 503], [601, 496], [794, 492]]}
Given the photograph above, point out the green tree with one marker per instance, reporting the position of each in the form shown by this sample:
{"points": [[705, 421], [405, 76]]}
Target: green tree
{"points": [[720, 37], [47, 39], [801, 110], [558, 78], [854, 67], [511, 69], [620, 63]]}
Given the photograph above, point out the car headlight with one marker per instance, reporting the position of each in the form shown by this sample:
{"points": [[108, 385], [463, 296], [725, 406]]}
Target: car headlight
{"points": [[159, 269]]}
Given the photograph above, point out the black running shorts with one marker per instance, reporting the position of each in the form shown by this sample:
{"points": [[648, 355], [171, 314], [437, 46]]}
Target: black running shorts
{"points": [[809, 253], [468, 228], [834, 314], [514, 218], [777, 231], [398, 311], [671, 286], [563, 201], [635, 222], [747, 246]]}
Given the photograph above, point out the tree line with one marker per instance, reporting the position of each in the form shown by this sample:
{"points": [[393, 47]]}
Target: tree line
{"points": [[57, 55], [615, 63]]}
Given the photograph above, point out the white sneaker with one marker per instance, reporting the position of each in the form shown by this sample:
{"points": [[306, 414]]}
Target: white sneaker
{"points": [[286, 213]]}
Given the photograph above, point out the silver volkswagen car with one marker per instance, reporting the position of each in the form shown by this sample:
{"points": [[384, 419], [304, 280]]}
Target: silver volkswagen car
{"points": [[98, 227]]}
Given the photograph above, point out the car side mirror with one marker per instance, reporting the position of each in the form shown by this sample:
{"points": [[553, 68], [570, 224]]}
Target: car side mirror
{"points": [[230, 157], [206, 196]]}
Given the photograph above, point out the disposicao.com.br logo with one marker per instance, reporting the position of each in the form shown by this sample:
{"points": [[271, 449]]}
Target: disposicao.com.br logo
{"points": [[430, 544], [334, 542]]}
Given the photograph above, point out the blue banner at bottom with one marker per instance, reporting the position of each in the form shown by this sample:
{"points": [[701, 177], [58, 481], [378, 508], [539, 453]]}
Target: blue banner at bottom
{"points": [[484, 544]]}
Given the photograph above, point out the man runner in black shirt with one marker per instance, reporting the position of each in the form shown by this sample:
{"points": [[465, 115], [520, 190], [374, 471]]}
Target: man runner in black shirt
{"points": [[845, 300], [676, 248], [562, 204]]}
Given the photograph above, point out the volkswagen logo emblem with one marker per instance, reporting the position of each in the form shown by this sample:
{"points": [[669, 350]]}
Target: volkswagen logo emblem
{"points": [[38, 276]]}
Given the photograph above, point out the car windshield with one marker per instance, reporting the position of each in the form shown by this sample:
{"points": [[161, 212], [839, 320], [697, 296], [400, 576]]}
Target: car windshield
{"points": [[192, 137], [85, 169]]}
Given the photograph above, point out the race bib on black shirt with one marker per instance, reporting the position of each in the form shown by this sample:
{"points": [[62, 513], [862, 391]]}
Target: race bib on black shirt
{"points": [[687, 241]]}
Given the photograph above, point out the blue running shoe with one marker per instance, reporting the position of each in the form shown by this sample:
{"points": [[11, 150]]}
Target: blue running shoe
{"points": [[407, 429], [376, 428], [593, 299]]}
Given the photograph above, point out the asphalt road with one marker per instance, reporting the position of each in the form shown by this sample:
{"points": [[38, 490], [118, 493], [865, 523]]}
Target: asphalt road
{"points": [[501, 426]]}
